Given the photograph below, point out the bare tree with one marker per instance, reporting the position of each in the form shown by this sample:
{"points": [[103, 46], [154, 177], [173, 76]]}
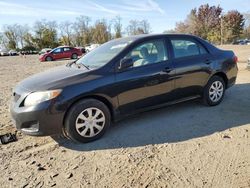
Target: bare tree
{"points": [[29, 40], [118, 27], [22, 31], [101, 32], [132, 27], [189, 26], [81, 29], [145, 25], [3, 41], [45, 34], [66, 32], [136, 27], [11, 34], [246, 32]]}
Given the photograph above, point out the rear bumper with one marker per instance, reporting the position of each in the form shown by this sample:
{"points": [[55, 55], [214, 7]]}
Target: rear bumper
{"points": [[232, 75], [231, 82], [39, 120]]}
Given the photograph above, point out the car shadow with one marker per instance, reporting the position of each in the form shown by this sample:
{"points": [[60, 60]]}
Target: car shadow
{"points": [[175, 123]]}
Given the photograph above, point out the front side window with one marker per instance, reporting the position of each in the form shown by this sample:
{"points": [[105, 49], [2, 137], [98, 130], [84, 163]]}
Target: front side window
{"points": [[148, 53], [185, 48], [57, 50]]}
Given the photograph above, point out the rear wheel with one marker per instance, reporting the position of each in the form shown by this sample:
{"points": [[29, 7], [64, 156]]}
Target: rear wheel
{"points": [[74, 56], [87, 120], [214, 91], [48, 58]]}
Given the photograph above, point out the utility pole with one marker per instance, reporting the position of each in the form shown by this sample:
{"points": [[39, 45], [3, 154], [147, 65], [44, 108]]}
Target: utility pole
{"points": [[221, 29]]}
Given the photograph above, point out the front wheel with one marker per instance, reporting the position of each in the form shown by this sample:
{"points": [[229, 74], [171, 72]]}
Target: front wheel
{"points": [[87, 120], [214, 91], [48, 58]]}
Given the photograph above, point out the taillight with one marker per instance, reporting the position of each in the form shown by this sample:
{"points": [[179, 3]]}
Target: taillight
{"points": [[235, 59]]}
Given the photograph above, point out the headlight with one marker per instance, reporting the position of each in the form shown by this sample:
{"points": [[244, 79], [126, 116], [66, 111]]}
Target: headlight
{"points": [[41, 96]]}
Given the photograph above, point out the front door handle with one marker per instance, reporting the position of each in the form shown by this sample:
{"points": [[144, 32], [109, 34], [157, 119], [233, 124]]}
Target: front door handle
{"points": [[208, 61]]}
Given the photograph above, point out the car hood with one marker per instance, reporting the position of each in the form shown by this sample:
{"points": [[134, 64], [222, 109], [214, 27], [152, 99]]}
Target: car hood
{"points": [[55, 78], [44, 53]]}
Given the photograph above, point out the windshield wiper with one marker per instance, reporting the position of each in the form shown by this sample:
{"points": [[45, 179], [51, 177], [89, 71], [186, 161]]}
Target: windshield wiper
{"points": [[70, 63], [78, 65], [82, 65]]}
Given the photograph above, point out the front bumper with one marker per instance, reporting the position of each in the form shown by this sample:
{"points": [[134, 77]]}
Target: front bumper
{"points": [[41, 58], [39, 120]]}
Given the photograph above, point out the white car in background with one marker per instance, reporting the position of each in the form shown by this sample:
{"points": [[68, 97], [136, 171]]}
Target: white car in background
{"points": [[44, 50], [91, 47], [3, 52], [12, 53]]}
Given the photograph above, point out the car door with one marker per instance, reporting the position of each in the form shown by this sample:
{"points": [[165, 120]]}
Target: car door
{"points": [[191, 61], [58, 53], [67, 52], [149, 81]]}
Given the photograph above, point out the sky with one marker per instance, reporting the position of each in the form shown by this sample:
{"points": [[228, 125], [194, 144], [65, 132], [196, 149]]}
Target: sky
{"points": [[162, 14]]}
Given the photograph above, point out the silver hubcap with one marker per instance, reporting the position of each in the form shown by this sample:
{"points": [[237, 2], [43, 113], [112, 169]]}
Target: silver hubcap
{"points": [[90, 122], [216, 91]]}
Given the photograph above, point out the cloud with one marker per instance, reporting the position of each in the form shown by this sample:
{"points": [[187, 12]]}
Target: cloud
{"points": [[17, 9], [99, 7], [139, 6], [96, 8], [155, 6]]}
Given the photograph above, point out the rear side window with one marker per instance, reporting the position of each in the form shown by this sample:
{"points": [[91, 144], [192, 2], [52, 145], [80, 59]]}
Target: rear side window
{"points": [[67, 49], [186, 48]]}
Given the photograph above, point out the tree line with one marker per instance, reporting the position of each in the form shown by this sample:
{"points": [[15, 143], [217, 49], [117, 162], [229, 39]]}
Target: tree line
{"points": [[212, 24], [81, 32], [208, 22]]}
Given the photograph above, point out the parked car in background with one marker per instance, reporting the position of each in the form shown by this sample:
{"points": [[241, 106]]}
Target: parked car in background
{"points": [[120, 78], [44, 50], [12, 53], [241, 42], [91, 47], [4, 52], [61, 52], [82, 49]]}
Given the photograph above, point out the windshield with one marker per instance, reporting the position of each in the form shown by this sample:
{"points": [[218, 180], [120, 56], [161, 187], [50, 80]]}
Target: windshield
{"points": [[103, 54]]}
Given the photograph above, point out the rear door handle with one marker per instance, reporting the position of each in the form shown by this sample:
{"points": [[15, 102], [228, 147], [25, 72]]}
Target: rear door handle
{"points": [[167, 70]]}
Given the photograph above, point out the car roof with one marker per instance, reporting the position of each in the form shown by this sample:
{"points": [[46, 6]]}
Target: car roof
{"points": [[64, 47], [154, 35], [148, 36]]}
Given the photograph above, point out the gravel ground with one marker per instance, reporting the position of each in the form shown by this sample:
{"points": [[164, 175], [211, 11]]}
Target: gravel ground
{"points": [[185, 145]]}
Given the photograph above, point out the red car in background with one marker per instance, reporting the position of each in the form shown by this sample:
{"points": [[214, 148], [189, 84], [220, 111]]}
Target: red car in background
{"points": [[61, 53]]}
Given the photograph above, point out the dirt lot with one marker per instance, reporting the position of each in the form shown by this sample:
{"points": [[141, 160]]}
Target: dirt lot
{"points": [[186, 145]]}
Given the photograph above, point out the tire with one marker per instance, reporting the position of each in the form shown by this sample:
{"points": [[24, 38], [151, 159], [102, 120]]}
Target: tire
{"points": [[48, 58], [214, 91], [80, 127], [74, 56]]}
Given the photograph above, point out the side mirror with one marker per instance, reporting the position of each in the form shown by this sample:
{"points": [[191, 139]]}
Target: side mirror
{"points": [[126, 63]]}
